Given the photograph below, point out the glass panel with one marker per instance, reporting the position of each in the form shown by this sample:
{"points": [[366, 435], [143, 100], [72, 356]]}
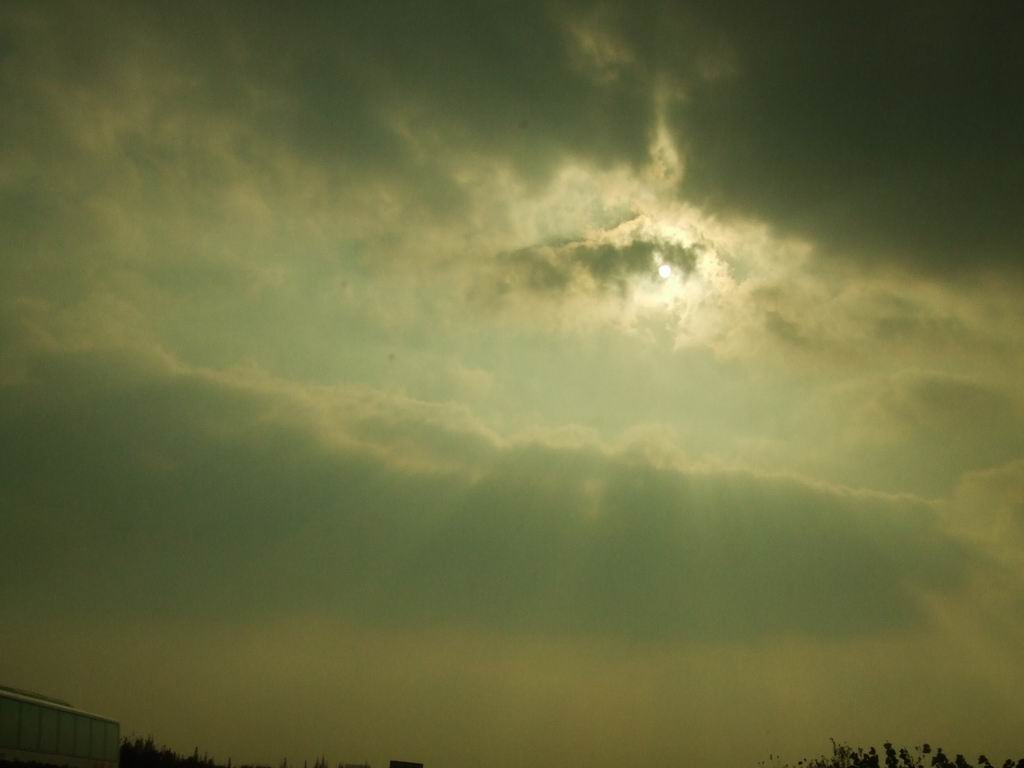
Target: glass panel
{"points": [[28, 734], [48, 731], [81, 736], [8, 722], [113, 741], [96, 744], [66, 734]]}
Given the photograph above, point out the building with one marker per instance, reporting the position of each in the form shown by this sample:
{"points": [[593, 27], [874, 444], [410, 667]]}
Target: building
{"points": [[39, 729]]}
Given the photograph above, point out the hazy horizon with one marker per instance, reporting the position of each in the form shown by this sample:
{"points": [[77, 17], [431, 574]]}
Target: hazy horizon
{"points": [[499, 383]]}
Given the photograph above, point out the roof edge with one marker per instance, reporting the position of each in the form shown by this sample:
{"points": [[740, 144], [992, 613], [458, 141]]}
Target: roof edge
{"points": [[34, 695]]}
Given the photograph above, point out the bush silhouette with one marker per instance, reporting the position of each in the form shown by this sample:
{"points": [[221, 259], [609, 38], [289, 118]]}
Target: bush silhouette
{"points": [[845, 756], [143, 753]]}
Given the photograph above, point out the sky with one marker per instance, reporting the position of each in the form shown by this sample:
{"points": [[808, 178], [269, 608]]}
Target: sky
{"points": [[536, 383]]}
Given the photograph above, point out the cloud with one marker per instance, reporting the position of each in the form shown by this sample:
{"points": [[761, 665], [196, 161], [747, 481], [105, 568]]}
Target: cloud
{"points": [[887, 139], [887, 135], [989, 506], [589, 265], [367, 92], [240, 497], [914, 431], [336, 370], [940, 425]]}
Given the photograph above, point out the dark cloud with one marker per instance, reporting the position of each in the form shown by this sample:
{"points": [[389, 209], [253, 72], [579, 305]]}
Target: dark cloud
{"points": [[557, 268], [990, 503], [784, 330], [883, 133], [610, 264], [922, 430], [360, 88], [131, 490], [535, 269]]}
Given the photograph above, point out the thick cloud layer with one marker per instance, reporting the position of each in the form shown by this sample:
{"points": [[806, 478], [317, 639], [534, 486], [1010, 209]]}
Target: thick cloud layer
{"points": [[886, 133], [221, 502], [881, 134]]}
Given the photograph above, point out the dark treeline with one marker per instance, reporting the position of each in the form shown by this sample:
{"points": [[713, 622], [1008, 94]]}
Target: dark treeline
{"points": [[143, 753], [924, 756]]}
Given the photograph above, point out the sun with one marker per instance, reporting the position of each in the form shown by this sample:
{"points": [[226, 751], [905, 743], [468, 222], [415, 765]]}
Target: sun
{"points": [[664, 271]]}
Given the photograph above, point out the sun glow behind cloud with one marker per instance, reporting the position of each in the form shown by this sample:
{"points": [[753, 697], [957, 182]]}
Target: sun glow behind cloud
{"points": [[695, 296]]}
